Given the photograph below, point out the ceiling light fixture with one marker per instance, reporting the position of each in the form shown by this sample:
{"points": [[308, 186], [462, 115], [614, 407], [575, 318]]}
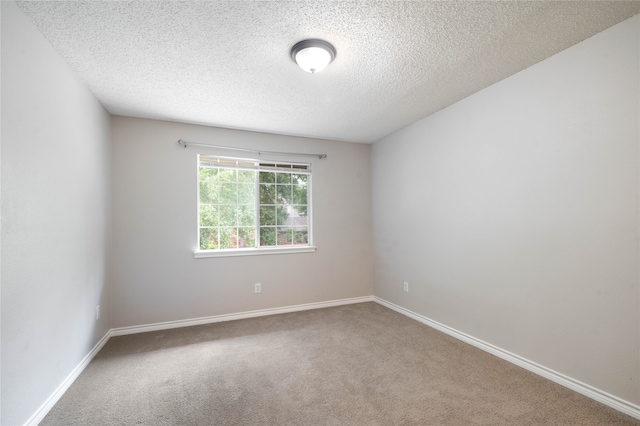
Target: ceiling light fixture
{"points": [[313, 55]]}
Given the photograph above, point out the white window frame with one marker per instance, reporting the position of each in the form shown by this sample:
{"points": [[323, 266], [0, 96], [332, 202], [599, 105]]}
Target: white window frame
{"points": [[265, 250]]}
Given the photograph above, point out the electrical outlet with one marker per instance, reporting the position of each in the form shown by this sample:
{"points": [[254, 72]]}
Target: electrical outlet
{"points": [[97, 312], [257, 288], [406, 287]]}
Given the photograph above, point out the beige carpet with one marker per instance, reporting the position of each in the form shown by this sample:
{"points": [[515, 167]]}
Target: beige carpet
{"points": [[351, 365]]}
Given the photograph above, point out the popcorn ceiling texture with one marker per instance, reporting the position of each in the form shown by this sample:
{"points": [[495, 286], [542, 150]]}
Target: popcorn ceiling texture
{"points": [[227, 63]]}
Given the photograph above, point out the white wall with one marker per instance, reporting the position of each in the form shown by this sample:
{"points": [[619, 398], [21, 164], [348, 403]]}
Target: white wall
{"points": [[513, 214], [55, 218], [156, 278]]}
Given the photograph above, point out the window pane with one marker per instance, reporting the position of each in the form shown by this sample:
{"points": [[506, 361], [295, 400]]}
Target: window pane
{"points": [[215, 192], [247, 215], [207, 190], [267, 193], [284, 194], [208, 173], [300, 194], [228, 193], [300, 235], [208, 215], [227, 175], [296, 219], [283, 178], [246, 193], [299, 179], [267, 215], [267, 177], [246, 237], [228, 238], [228, 216], [281, 215], [246, 176], [268, 236], [208, 238], [285, 236]]}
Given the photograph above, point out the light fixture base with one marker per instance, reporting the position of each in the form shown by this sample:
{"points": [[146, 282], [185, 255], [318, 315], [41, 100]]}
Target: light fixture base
{"points": [[313, 55]]}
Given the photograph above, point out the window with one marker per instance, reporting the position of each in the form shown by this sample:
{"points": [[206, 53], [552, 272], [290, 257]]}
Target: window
{"points": [[244, 205]]}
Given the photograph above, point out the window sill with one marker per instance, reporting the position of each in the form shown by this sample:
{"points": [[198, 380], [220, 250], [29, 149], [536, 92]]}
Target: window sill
{"points": [[199, 254]]}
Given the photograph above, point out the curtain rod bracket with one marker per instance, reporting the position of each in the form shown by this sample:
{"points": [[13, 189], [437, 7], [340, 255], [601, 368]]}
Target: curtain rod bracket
{"points": [[184, 144]]}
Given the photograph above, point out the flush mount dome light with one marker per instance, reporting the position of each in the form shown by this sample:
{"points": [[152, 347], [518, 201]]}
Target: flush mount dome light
{"points": [[313, 55]]}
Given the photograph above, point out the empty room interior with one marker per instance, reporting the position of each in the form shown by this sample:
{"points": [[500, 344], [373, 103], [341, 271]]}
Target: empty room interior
{"points": [[202, 226]]}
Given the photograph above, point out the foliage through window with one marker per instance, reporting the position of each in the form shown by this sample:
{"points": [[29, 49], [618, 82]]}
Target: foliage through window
{"points": [[252, 204]]}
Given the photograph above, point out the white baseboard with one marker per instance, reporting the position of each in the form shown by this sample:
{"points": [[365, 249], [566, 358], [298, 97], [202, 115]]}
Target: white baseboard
{"points": [[230, 317], [66, 383], [589, 391]]}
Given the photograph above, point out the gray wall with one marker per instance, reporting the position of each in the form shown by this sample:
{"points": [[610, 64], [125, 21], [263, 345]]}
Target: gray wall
{"points": [[156, 278], [513, 214], [55, 218]]}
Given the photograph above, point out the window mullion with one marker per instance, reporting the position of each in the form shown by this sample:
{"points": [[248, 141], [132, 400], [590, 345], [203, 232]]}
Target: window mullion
{"points": [[219, 208], [237, 224], [257, 209]]}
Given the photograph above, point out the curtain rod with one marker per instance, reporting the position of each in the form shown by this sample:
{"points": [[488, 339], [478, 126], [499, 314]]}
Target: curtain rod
{"points": [[256, 151]]}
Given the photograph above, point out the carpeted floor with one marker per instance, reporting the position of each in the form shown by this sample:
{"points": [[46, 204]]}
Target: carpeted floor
{"points": [[350, 365]]}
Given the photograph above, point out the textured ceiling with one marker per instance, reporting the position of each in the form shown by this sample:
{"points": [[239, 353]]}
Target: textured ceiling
{"points": [[227, 63]]}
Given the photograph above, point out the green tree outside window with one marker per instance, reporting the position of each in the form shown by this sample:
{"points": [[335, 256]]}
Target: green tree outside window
{"points": [[240, 208]]}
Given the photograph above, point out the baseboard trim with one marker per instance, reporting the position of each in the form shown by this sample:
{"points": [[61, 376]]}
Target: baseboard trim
{"points": [[66, 383], [582, 388], [231, 317], [612, 401]]}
